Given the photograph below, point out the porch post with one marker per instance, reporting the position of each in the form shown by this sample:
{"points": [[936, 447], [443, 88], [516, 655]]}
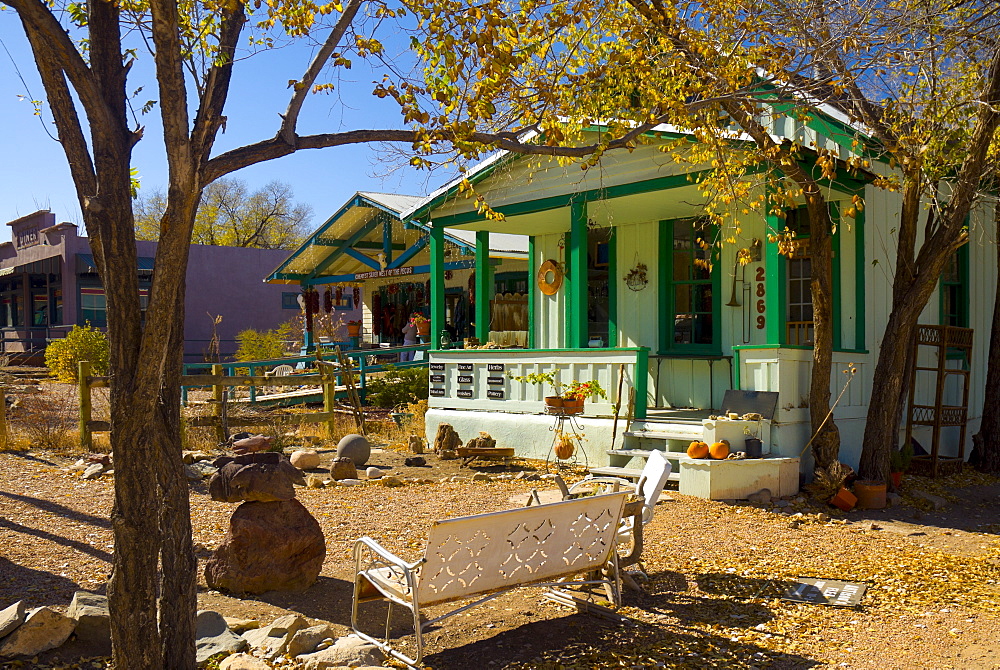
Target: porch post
{"points": [[437, 283], [484, 285], [774, 284], [576, 256], [532, 288]]}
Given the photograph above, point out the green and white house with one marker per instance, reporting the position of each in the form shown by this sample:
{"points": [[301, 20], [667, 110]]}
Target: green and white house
{"points": [[634, 302]]}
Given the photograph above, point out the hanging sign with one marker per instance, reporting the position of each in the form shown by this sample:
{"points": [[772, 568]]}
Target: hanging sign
{"points": [[389, 272], [495, 394], [494, 367], [495, 381], [465, 379], [463, 393], [436, 392], [437, 379], [465, 367], [438, 367]]}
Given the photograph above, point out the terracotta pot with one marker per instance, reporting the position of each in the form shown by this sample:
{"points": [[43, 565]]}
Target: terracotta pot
{"points": [[897, 479], [844, 499], [871, 495], [554, 400], [424, 329], [572, 405], [354, 330]]}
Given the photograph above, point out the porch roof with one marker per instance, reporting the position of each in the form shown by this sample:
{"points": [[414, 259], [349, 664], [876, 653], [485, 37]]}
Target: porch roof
{"points": [[368, 235]]}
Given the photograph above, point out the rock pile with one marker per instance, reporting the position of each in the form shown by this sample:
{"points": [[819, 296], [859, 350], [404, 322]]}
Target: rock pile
{"points": [[25, 632], [273, 542]]}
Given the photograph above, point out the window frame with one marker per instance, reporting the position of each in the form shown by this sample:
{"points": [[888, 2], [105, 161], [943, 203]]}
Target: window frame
{"points": [[667, 299]]}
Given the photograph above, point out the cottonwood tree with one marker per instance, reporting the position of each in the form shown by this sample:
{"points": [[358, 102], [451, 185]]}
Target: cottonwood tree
{"points": [[231, 215], [84, 56], [918, 79]]}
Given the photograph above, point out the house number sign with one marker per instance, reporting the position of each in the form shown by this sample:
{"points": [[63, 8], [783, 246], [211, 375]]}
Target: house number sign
{"points": [[760, 292]]}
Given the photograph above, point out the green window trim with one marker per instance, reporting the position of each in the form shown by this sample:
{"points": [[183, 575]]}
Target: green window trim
{"points": [[668, 307], [953, 290]]}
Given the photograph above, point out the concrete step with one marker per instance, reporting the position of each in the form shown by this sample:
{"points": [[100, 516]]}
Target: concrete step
{"points": [[676, 432], [644, 453], [627, 473]]}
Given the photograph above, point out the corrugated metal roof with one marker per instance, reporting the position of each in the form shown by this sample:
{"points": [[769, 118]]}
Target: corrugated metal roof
{"points": [[394, 201], [499, 242]]}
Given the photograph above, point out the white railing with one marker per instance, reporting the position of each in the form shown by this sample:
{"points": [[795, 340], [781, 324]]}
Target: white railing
{"points": [[481, 378]]}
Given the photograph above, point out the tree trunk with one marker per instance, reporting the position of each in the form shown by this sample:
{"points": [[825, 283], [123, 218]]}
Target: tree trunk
{"points": [[826, 443], [987, 440]]}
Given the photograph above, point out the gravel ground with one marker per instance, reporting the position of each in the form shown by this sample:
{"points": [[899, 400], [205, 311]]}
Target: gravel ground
{"points": [[716, 571]]}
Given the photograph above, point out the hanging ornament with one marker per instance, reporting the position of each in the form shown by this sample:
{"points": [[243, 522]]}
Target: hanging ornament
{"points": [[339, 293], [327, 301], [357, 296], [636, 278]]}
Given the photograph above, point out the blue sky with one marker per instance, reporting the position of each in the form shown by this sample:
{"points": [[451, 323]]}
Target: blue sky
{"points": [[36, 175]]}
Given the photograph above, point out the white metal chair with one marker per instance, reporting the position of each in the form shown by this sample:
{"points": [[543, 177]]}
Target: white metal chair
{"points": [[650, 485]]}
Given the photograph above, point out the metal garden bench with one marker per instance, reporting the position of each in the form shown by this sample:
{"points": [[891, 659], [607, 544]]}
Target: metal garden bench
{"points": [[485, 555]]}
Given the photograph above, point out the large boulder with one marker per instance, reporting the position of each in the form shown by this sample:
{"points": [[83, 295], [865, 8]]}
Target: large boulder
{"points": [[272, 641], [267, 477], [11, 618], [212, 636], [446, 438], [305, 459], [44, 629], [270, 546], [93, 622], [350, 651], [355, 447]]}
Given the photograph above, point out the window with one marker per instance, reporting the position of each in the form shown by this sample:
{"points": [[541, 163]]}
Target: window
{"points": [[93, 306], [955, 290], [289, 301], [798, 291], [692, 293]]}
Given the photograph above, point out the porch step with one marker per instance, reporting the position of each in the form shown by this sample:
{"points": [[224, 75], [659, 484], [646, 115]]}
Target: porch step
{"points": [[644, 453], [694, 432], [627, 473]]}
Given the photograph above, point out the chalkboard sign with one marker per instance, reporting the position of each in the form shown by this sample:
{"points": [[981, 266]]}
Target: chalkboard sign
{"points": [[465, 379], [437, 393], [464, 393], [495, 394], [437, 366]]}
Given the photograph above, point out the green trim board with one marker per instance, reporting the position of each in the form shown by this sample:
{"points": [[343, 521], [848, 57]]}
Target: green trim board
{"points": [[836, 276], [641, 383], [774, 284], [613, 336], [670, 282], [437, 285], [957, 285], [576, 257], [860, 272], [532, 299]]}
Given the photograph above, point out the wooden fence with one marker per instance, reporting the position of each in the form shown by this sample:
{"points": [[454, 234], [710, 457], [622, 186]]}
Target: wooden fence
{"points": [[326, 378]]}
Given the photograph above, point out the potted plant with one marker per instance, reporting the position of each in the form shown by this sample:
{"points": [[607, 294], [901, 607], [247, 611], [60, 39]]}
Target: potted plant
{"points": [[752, 444], [354, 328], [569, 397], [422, 323], [899, 462]]}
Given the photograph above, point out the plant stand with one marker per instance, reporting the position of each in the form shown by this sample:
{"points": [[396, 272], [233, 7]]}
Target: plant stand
{"points": [[565, 425]]}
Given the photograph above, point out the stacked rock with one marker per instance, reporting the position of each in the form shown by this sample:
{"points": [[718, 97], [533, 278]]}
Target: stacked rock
{"points": [[273, 542]]}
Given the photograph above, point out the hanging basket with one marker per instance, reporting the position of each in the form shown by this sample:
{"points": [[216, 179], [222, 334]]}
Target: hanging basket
{"points": [[636, 278]]}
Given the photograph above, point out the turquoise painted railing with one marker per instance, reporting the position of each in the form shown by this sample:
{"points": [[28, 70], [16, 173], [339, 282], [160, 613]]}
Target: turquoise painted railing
{"points": [[359, 357]]}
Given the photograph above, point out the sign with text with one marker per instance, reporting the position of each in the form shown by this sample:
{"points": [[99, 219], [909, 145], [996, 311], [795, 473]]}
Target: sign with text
{"points": [[495, 394], [390, 272], [465, 367], [437, 379], [465, 379], [439, 367], [495, 381], [825, 592], [437, 392], [464, 393], [495, 367]]}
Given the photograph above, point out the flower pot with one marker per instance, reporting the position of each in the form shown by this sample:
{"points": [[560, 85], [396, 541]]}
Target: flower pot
{"points": [[753, 447], [572, 405], [554, 400], [844, 499], [424, 329], [354, 330], [871, 495], [897, 479]]}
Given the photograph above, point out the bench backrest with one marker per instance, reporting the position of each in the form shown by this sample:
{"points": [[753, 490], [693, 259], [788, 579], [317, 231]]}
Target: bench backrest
{"points": [[478, 554]]}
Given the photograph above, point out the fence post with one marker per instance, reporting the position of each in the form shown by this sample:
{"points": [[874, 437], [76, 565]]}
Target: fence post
{"points": [[3, 417], [217, 391], [83, 370], [329, 397]]}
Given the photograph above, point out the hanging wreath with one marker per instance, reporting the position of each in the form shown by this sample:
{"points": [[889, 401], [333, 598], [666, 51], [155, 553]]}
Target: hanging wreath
{"points": [[327, 301], [339, 293], [636, 278], [448, 274], [550, 277], [357, 296]]}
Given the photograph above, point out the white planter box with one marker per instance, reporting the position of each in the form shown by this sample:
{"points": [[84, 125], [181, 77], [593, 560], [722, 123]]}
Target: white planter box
{"points": [[736, 479]]}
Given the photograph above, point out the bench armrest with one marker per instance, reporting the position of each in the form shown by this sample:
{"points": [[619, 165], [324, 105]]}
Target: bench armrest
{"points": [[381, 552]]}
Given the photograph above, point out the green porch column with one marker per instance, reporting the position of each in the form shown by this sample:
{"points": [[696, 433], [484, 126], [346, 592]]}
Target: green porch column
{"points": [[774, 284], [484, 285], [437, 284], [532, 291], [576, 297]]}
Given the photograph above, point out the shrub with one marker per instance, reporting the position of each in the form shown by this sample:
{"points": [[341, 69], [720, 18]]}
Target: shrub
{"points": [[257, 345], [81, 344], [398, 386]]}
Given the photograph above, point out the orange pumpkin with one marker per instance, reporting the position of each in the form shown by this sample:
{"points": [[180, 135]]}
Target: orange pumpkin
{"points": [[719, 450], [698, 450]]}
